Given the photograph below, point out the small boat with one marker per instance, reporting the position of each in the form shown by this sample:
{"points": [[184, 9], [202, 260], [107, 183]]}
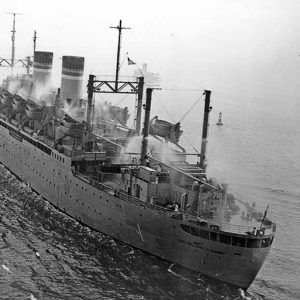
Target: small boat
{"points": [[71, 128], [171, 132], [18, 103], [6, 98], [220, 123], [34, 111]]}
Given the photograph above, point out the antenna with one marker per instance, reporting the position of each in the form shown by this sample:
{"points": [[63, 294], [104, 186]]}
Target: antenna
{"points": [[13, 40], [118, 53]]}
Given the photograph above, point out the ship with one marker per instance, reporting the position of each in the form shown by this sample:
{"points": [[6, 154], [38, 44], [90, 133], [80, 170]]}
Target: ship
{"points": [[148, 197]]}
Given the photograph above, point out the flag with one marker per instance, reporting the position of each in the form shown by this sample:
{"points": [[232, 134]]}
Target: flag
{"points": [[130, 62]]}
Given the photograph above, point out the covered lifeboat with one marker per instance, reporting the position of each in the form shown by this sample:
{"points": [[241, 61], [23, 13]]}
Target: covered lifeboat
{"points": [[170, 132], [18, 103], [6, 98], [34, 111], [6, 102], [72, 128]]}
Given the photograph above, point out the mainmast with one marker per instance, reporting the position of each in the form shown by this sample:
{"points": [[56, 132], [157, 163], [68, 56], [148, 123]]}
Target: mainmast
{"points": [[90, 102], [113, 87], [207, 109], [118, 52], [146, 126], [139, 106]]}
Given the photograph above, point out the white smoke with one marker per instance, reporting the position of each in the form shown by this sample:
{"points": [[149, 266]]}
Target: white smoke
{"points": [[132, 151], [156, 149], [13, 86], [73, 111], [103, 112], [43, 94], [151, 79], [161, 150], [99, 114]]}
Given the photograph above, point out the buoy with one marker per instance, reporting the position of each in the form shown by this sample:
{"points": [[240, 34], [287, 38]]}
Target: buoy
{"points": [[220, 123]]}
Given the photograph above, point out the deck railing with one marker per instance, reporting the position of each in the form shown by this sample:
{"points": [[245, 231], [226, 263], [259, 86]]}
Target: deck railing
{"points": [[191, 217]]}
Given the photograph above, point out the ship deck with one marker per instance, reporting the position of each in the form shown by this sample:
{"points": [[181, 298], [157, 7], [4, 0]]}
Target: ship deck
{"points": [[238, 223]]}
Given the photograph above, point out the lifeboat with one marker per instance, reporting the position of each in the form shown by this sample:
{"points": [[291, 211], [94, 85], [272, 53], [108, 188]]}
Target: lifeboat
{"points": [[71, 128], [18, 103], [33, 111], [119, 114], [5, 98], [165, 129]]}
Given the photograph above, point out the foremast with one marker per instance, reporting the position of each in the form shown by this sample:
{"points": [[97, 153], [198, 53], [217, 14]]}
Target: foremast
{"points": [[146, 127], [116, 87]]}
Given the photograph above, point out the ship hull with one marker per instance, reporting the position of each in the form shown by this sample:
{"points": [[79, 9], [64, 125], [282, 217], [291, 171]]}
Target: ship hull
{"points": [[142, 225]]}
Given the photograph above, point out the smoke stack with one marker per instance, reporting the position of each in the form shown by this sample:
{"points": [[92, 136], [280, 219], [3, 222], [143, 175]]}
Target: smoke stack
{"points": [[42, 68], [71, 80]]}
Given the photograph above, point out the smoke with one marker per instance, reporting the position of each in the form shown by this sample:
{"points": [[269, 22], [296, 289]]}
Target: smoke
{"points": [[99, 114], [132, 151], [157, 149], [111, 113], [43, 94], [14, 86], [151, 79], [162, 151], [71, 111]]}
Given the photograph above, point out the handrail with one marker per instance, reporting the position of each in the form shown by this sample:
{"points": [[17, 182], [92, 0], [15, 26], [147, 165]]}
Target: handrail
{"points": [[250, 205], [191, 218]]}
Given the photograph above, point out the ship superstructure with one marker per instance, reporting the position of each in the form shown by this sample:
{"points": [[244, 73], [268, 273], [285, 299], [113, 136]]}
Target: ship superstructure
{"points": [[162, 205]]}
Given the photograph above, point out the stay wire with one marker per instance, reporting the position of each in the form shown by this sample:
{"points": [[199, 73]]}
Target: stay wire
{"points": [[164, 108], [190, 109], [183, 135], [123, 61]]}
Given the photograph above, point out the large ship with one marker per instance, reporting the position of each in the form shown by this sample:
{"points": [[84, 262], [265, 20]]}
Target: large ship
{"points": [[148, 197]]}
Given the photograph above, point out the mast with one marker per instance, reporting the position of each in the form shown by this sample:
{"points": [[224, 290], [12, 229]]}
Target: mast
{"points": [[139, 105], [28, 64], [90, 102], [146, 126], [207, 109], [13, 45], [118, 52], [13, 36], [34, 42]]}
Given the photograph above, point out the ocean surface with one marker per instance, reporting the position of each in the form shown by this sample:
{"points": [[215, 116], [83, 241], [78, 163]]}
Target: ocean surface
{"points": [[47, 255]]}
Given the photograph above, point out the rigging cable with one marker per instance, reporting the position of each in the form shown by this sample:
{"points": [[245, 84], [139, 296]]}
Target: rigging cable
{"points": [[189, 110], [123, 61], [183, 90], [164, 108], [183, 135]]}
